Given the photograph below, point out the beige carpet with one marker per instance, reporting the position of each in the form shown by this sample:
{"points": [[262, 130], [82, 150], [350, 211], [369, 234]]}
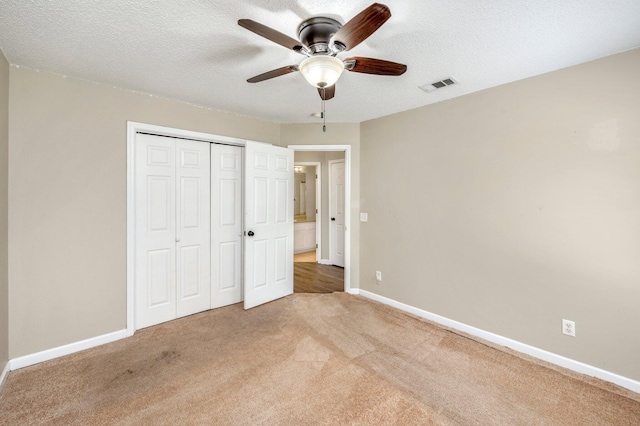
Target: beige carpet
{"points": [[307, 359]]}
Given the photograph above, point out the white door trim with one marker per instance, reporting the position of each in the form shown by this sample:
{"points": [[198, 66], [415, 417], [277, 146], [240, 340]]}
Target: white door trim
{"points": [[318, 167], [132, 129], [347, 202]]}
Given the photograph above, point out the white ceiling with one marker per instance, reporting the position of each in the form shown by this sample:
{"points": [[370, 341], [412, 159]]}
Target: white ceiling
{"points": [[193, 50]]}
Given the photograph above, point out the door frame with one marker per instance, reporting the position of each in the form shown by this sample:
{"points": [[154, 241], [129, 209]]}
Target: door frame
{"points": [[318, 167], [132, 129], [347, 202]]}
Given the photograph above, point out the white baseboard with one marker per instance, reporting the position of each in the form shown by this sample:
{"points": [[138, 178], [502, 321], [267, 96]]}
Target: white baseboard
{"points": [[3, 375], [49, 354], [355, 291], [577, 366], [324, 262]]}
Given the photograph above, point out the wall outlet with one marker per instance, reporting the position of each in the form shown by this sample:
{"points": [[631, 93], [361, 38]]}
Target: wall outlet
{"points": [[364, 217], [569, 327], [378, 277]]}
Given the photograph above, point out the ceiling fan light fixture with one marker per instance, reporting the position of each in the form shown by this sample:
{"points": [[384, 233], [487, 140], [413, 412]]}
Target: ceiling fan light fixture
{"points": [[321, 70]]}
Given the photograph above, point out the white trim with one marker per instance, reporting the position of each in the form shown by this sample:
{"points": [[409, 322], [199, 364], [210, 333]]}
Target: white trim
{"points": [[49, 354], [5, 372], [347, 202], [133, 128], [568, 363], [182, 134], [318, 167], [324, 262]]}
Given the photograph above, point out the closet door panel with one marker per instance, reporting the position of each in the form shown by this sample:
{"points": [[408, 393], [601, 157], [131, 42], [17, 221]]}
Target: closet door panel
{"points": [[226, 225], [173, 250], [155, 255], [193, 227]]}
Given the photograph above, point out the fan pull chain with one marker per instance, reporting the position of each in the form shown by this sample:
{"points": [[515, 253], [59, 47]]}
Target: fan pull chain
{"points": [[322, 113]]}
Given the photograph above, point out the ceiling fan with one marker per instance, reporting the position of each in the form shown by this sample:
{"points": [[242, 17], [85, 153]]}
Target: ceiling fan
{"points": [[320, 40]]}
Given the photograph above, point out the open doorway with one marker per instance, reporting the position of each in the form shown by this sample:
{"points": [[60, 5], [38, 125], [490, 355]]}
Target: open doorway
{"points": [[307, 210], [315, 270]]}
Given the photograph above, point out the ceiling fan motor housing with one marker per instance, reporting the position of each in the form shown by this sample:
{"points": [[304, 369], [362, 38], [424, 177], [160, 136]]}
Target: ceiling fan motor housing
{"points": [[316, 32]]}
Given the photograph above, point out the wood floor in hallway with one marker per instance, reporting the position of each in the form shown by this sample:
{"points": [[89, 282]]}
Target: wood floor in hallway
{"points": [[311, 277]]}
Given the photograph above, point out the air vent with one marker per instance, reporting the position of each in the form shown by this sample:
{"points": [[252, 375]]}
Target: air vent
{"points": [[438, 84]]}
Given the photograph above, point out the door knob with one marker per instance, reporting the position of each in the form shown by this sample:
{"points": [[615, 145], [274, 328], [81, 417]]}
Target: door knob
{"points": [[250, 233], [333, 218]]}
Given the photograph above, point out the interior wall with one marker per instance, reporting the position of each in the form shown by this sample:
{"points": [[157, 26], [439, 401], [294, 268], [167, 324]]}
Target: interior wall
{"points": [[67, 223], [515, 207], [336, 134], [4, 211]]}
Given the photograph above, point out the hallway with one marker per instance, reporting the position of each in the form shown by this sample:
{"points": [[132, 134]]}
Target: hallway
{"points": [[311, 277]]}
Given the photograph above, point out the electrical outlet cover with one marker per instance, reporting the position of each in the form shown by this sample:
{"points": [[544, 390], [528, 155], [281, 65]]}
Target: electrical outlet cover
{"points": [[569, 328]]}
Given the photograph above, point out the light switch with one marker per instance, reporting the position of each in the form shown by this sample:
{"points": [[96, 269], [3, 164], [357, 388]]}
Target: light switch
{"points": [[364, 217]]}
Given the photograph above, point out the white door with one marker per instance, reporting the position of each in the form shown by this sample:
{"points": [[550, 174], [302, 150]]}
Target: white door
{"points": [[155, 231], [172, 198], [268, 223], [226, 225], [336, 209], [193, 227]]}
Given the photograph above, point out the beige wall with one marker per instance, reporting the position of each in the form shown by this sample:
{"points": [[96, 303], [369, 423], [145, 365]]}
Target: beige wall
{"points": [[512, 208], [67, 223], [4, 211], [507, 209], [337, 134]]}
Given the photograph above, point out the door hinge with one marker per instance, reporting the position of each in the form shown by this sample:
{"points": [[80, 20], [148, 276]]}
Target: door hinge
{"points": [[316, 246]]}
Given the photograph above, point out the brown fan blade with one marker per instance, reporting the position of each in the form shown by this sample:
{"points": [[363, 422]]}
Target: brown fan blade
{"points": [[273, 73], [361, 26], [271, 34], [327, 92], [374, 66]]}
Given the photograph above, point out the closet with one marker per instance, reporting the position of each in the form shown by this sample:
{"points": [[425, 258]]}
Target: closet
{"points": [[213, 225]]}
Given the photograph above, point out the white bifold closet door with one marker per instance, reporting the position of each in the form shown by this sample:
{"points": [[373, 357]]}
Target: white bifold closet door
{"points": [[172, 228], [226, 225]]}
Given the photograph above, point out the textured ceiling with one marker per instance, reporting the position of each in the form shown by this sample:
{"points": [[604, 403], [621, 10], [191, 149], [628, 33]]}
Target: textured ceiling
{"points": [[193, 50]]}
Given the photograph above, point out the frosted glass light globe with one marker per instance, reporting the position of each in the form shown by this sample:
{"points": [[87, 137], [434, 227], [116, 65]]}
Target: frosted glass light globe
{"points": [[321, 70]]}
